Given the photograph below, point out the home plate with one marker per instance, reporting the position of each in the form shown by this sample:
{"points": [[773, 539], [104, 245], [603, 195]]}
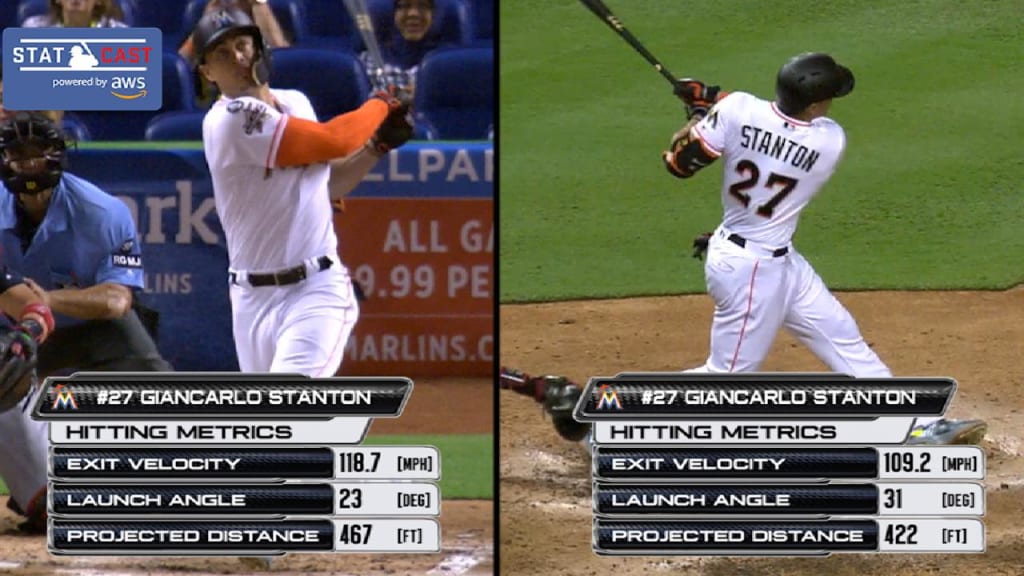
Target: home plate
{"points": [[5, 564]]}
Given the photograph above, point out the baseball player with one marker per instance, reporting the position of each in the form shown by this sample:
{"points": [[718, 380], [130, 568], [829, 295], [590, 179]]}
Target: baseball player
{"points": [[778, 155], [22, 454], [78, 251], [274, 168]]}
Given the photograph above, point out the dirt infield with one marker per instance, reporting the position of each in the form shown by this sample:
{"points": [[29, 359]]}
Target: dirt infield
{"points": [[466, 525], [975, 337]]}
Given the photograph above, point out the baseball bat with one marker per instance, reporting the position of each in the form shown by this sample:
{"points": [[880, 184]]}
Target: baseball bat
{"points": [[602, 11], [361, 17]]}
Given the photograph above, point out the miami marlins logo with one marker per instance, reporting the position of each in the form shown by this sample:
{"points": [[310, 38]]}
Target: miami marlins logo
{"points": [[63, 398], [609, 398]]}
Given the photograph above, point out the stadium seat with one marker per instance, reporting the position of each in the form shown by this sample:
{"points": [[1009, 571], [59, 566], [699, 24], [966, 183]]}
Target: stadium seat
{"points": [[291, 14], [28, 8], [162, 14], [178, 83], [455, 93], [335, 82], [483, 19], [74, 127], [179, 125], [452, 21], [328, 26], [8, 15], [178, 94]]}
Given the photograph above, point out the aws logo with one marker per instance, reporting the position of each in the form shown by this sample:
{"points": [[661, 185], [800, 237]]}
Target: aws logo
{"points": [[120, 84]]}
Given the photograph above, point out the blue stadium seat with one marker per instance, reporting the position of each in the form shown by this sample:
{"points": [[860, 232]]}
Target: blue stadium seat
{"points": [[178, 83], [455, 93], [179, 125], [8, 15], [335, 82], [178, 94], [27, 8], [329, 26], [291, 14], [483, 19], [162, 14], [74, 127], [452, 22]]}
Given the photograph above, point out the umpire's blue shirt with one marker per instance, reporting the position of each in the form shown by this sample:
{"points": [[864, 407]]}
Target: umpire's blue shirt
{"points": [[87, 238]]}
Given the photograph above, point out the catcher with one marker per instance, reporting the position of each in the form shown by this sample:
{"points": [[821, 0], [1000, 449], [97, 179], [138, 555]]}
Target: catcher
{"points": [[22, 462], [558, 394]]}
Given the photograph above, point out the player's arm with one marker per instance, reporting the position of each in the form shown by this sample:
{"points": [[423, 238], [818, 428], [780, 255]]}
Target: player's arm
{"points": [[309, 142], [18, 301], [105, 301], [688, 153], [348, 172], [118, 271]]}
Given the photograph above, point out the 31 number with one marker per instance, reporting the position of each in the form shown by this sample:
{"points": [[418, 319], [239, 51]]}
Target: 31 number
{"points": [[893, 498], [752, 175]]}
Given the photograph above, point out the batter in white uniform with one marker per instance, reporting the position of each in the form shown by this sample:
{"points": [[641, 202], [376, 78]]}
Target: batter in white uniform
{"points": [[293, 305], [778, 155]]}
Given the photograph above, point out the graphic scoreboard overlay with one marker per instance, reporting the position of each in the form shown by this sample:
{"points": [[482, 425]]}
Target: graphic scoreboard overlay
{"points": [[776, 464], [233, 464]]}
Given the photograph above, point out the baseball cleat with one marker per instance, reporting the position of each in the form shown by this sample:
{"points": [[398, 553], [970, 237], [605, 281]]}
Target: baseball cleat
{"points": [[949, 432]]}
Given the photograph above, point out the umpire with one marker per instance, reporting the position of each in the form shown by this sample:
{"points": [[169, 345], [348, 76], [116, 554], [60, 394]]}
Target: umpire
{"points": [[79, 251]]}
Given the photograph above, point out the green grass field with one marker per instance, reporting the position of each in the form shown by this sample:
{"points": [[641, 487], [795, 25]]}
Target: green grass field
{"points": [[461, 455], [928, 196]]}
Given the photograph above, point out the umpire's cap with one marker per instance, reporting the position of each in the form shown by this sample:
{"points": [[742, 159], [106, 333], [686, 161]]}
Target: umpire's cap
{"points": [[808, 78]]}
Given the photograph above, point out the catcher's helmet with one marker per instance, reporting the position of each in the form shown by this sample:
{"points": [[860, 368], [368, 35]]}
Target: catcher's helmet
{"points": [[218, 25], [34, 153], [808, 78]]}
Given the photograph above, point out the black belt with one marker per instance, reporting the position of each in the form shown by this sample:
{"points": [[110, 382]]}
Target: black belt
{"points": [[742, 243], [283, 277]]}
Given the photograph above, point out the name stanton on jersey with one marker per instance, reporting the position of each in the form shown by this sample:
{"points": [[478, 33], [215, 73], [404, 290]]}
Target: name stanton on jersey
{"points": [[778, 147]]}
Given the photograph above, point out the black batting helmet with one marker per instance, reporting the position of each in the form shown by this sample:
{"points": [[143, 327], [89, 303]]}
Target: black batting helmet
{"points": [[34, 153], [808, 78], [218, 25]]}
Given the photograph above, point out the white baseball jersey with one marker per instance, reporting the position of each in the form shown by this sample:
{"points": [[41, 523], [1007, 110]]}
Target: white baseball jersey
{"points": [[774, 164], [273, 218]]}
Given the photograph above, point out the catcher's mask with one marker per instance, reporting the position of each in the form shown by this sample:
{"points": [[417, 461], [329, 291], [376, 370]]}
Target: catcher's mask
{"points": [[34, 153], [809, 78], [217, 26]]}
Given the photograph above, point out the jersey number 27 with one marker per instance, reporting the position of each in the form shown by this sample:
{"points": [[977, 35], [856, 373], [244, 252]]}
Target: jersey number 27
{"points": [[785, 185]]}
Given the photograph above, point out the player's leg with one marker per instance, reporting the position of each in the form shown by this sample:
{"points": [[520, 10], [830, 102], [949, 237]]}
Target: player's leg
{"points": [[317, 319], [253, 326], [749, 298], [23, 455], [825, 326]]}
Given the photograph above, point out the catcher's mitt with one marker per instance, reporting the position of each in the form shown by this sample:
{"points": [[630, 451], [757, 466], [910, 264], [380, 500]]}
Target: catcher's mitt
{"points": [[17, 371]]}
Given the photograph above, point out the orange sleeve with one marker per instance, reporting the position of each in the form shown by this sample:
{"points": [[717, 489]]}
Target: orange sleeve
{"points": [[308, 142]]}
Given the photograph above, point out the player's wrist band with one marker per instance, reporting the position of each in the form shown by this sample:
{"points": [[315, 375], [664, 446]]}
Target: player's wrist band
{"points": [[42, 312]]}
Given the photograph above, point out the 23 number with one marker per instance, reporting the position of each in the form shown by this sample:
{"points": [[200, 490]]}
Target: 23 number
{"points": [[753, 175]]}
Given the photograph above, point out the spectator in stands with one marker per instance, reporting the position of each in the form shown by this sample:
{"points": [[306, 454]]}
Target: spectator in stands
{"points": [[260, 13], [79, 14], [404, 45]]}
